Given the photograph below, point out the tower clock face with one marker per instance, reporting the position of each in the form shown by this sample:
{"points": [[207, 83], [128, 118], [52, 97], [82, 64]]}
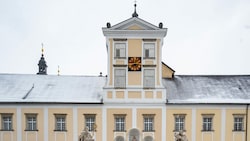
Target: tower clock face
{"points": [[134, 63]]}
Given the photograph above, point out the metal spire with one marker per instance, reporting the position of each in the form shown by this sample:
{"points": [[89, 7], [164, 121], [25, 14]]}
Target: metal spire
{"points": [[135, 14]]}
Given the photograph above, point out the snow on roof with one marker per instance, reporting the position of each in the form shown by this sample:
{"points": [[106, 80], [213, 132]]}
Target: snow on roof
{"points": [[208, 89], [51, 88], [181, 89]]}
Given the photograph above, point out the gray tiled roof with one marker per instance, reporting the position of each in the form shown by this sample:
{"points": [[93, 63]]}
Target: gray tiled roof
{"points": [[208, 89], [51, 88]]}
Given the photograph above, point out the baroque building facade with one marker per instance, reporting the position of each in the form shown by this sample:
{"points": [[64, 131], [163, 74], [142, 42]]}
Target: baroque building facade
{"points": [[140, 99]]}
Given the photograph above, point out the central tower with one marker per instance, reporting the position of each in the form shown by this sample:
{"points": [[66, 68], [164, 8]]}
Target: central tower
{"points": [[134, 49]]}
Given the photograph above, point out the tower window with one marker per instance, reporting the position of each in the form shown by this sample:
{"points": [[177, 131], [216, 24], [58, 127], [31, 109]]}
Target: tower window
{"points": [[120, 78], [149, 78], [120, 50], [149, 50]]}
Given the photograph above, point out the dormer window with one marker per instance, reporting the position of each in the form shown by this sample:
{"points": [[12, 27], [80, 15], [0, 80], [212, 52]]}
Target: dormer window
{"points": [[149, 50], [120, 50]]}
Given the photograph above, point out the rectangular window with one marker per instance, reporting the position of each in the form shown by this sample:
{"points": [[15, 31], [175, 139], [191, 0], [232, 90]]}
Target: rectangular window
{"points": [[90, 121], [238, 122], [179, 122], [149, 50], [31, 122], [120, 78], [148, 123], [60, 120], [7, 122], [120, 50], [207, 123], [149, 78], [119, 122]]}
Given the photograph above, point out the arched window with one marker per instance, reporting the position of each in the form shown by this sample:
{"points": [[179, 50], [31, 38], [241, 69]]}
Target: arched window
{"points": [[119, 138], [134, 135], [148, 138]]}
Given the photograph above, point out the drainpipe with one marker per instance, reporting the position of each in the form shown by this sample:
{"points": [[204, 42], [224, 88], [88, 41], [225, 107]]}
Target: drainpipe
{"points": [[246, 122]]}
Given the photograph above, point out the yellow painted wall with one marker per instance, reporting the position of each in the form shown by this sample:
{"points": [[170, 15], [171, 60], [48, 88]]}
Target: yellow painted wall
{"points": [[170, 124], [58, 135], [167, 72], [157, 121], [31, 135], [7, 135], [134, 78], [134, 48], [207, 136], [149, 94], [120, 94], [111, 121], [98, 118], [230, 134], [134, 27], [134, 94]]}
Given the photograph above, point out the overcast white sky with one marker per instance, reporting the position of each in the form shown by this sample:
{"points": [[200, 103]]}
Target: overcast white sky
{"points": [[204, 36]]}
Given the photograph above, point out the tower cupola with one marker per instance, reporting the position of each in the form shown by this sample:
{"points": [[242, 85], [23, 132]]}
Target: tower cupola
{"points": [[42, 66]]}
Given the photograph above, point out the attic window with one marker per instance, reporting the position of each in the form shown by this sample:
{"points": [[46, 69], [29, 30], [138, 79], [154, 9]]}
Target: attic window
{"points": [[149, 50]]}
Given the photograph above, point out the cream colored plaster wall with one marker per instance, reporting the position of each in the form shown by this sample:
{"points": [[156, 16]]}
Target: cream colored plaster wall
{"points": [[134, 27], [149, 94], [32, 135], [134, 47], [60, 135], [8, 135], [134, 78], [157, 121], [98, 117], [111, 121], [134, 94], [170, 124], [216, 125], [230, 134], [120, 94]]}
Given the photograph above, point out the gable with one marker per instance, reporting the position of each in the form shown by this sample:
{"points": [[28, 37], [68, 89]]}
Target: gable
{"points": [[134, 23]]}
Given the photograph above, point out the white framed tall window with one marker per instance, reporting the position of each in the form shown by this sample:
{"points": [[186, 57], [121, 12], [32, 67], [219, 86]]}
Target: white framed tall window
{"points": [[120, 50], [148, 123], [7, 122], [60, 122], [207, 123], [90, 121], [179, 122], [149, 78], [119, 123], [238, 123], [31, 122], [120, 78], [149, 50]]}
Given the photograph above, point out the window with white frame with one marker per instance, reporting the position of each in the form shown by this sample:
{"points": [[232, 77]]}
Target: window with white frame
{"points": [[148, 123], [120, 50], [149, 50], [60, 120], [149, 78], [120, 123], [90, 121], [7, 122], [207, 122], [179, 122], [238, 123], [31, 122], [120, 78]]}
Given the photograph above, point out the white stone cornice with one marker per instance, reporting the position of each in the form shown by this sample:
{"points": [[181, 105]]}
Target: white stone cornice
{"points": [[135, 33]]}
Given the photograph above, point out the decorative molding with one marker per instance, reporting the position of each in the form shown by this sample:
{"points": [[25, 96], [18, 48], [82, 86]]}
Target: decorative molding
{"points": [[120, 39], [149, 40]]}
